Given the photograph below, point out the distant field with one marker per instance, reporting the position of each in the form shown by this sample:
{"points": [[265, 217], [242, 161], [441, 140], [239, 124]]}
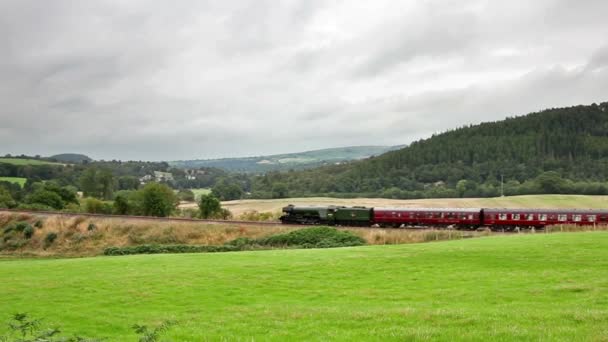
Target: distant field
{"points": [[535, 287], [17, 161], [18, 180], [528, 201], [199, 192]]}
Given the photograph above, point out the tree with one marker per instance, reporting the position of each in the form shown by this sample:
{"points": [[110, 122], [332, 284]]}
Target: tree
{"points": [[279, 190], [551, 182], [6, 200], [128, 183], [45, 197], [227, 190], [158, 200], [209, 206], [121, 203], [98, 183], [186, 195]]}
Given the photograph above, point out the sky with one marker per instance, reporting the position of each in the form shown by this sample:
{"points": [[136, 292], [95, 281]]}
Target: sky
{"points": [[189, 79]]}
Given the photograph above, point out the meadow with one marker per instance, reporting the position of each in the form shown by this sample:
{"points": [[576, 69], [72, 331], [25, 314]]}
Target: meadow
{"points": [[18, 180], [20, 161], [199, 192], [525, 287]]}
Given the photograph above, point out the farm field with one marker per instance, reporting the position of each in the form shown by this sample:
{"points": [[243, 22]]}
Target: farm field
{"points": [[19, 180], [527, 201], [524, 287], [199, 192], [19, 161]]}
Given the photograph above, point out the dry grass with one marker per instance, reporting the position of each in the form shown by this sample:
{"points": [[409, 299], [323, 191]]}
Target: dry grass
{"points": [[75, 239]]}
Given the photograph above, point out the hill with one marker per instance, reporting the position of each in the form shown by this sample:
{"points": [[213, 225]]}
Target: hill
{"points": [[71, 158], [525, 287], [281, 162], [560, 150]]}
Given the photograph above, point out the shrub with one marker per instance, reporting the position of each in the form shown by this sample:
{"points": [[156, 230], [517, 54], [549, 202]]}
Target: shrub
{"points": [[95, 206], [49, 239], [38, 224], [21, 226], [28, 232], [317, 237], [91, 226], [35, 207]]}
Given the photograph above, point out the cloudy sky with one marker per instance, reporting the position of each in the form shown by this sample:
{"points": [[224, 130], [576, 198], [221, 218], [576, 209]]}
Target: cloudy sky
{"points": [[185, 79]]}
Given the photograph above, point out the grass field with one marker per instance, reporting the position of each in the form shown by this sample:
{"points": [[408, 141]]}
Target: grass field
{"points": [[18, 180], [19, 161], [528, 201], [199, 192], [526, 287]]}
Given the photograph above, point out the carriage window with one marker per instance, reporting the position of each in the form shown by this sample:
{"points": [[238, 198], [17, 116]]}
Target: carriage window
{"points": [[591, 218], [530, 217], [470, 216], [502, 216], [542, 217], [562, 217], [577, 218], [515, 216], [429, 215], [463, 216]]}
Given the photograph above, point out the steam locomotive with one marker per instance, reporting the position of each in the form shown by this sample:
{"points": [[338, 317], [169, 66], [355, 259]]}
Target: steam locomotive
{"points": [[458, 218]]}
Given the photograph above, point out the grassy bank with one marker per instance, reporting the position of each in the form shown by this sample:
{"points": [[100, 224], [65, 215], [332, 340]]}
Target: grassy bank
{"points": [[527, 287], [84, 236]]}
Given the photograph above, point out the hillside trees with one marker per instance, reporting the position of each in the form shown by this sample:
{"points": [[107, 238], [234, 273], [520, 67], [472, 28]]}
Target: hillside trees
{"points": [[572, 143]]}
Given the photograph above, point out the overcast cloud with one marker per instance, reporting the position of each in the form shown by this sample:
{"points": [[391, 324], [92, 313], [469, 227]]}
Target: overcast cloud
{"points": [[166, 80]]}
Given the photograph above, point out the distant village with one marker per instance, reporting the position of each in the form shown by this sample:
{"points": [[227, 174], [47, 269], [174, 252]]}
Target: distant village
{"points": [[159, 176]]}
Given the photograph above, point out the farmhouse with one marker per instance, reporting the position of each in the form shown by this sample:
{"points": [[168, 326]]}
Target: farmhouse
{"points": [[158, 177]]}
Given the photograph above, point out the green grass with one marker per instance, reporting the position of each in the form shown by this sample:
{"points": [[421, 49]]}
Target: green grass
{"points": [[18, 180], [18, 161], [527, 287], [199, 192]]}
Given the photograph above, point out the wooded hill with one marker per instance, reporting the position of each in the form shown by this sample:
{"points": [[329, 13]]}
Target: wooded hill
{"points": [[289, 161], [560, 150]]}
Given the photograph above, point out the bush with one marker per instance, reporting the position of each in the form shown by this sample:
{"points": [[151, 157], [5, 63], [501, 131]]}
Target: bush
{"points": [[49, 239], [35, 207], [21, 226], [38, 224], [158, 249], [91, 226], [317, 237], [95, 206], [28, 232]]}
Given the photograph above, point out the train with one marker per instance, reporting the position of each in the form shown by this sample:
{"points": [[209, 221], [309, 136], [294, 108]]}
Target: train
{"points": [[499, 219]]}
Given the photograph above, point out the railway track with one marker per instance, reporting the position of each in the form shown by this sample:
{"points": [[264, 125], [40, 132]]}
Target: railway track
{"points": [[184, 219], [135, 217]]}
